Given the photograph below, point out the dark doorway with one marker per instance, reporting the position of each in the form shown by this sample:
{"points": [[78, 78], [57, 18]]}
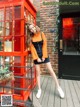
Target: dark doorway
{"points": [[69, 46], [69, 40]]}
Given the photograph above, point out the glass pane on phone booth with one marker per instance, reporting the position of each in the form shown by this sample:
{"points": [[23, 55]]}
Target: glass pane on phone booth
{"points": [[32, 19], [29, 18], [5, 64], [1, 44], [17, 12], [17, 65], [1, 14], [26, 39], [8, 46], [8, 28], [1, 28], [9, 14], [13, 63]]}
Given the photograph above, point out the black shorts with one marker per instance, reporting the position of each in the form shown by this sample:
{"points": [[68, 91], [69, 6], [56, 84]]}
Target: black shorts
{"points": [[45, 61]]}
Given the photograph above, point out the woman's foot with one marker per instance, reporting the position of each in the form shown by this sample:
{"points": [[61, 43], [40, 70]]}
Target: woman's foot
{"points": [[61, 93], [38, 93]]}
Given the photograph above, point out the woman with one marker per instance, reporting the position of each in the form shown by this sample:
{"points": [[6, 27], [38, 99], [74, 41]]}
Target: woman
{"points": [[38, 47]]}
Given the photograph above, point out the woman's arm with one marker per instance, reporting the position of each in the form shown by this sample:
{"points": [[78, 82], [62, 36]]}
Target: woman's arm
{"points": [[44, 48]]}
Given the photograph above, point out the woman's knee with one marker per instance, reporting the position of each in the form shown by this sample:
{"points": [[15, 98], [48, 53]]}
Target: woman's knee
{"points": [[49, 66], [37, 69]]}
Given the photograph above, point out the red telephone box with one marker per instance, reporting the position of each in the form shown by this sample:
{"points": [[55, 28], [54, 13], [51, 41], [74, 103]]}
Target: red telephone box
{"points": [[14, 54]]}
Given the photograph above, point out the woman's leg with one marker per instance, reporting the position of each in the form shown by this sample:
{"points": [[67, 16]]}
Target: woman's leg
{"points": [[38, 75], [38, 81], [61, 93], [52, 73]]}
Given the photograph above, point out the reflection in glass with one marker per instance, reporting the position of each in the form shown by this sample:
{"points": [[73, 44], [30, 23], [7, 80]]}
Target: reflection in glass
{"points": [[29, 18], [1, 28], [71, 35], [1, 14], [1, 45], [5, 64], [32, 19], [7, 29], [8, 46], [9, 13], [10, 63]]}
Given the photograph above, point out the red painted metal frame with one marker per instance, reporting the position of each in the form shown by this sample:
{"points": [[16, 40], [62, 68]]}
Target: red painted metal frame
{"points": [[22, 53]]}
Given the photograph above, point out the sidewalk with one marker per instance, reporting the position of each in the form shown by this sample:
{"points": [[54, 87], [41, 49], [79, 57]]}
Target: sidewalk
{"points": [[50, 97]]}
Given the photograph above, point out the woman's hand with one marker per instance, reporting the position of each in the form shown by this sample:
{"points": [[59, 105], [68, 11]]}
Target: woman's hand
{"points": [[43, 59], [38, 60]]}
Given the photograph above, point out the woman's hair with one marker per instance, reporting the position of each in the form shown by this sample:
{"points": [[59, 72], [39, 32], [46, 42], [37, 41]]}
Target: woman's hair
{"points": [[31, 34], [37, 28]]}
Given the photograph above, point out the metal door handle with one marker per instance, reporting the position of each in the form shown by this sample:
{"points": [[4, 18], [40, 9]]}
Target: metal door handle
{"points": [[61, 44]]}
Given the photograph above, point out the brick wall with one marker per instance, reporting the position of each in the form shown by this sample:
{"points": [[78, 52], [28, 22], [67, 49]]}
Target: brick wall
{"points": [[47, 24]]}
